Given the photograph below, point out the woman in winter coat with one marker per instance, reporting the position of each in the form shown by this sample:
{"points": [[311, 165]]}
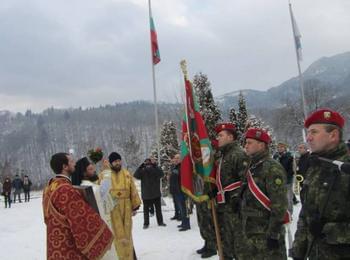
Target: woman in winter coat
{"points": [[6, 191]]}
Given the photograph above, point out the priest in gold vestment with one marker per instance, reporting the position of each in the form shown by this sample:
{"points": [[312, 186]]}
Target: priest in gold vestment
{"points": [[119, 183]]}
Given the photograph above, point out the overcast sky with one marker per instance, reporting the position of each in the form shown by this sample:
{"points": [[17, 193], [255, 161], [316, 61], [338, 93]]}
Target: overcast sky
{"points": [[71, 53]]}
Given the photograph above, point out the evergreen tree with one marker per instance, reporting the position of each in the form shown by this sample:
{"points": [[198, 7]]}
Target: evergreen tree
{"points": [[169, 145], [209, 110], [254, 122], [242, 115], [233, 116]]}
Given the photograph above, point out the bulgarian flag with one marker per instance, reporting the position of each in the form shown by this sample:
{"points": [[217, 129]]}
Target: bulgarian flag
{"points": [[196, 149], [154, 43]]}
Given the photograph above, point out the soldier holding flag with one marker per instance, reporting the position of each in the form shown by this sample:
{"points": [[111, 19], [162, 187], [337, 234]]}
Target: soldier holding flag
{"points": [[231, 164]]}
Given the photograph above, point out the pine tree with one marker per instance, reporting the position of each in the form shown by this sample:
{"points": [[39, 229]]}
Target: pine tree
{"points": [[169, 146], [242, 115], [233, 116], [254, 122], [209, 110]]}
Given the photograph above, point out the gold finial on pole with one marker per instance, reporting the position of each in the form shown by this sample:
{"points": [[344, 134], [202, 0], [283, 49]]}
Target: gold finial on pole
{"points": [[183, 65]]}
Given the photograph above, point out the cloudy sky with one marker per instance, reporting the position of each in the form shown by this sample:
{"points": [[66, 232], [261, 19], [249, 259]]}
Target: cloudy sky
{"points": [[70, 53]]}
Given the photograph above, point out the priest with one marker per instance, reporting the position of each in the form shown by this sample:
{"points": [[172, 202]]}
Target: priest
{"points": [[74, 229], [120, 184]]}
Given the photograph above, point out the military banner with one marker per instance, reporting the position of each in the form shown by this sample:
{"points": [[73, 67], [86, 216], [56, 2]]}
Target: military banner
{"points": [[196, 149]]}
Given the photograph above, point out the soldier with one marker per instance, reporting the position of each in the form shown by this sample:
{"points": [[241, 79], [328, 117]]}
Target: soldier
{"points": [[264, 202], [231, 164], [205, 220], [324, 220]]}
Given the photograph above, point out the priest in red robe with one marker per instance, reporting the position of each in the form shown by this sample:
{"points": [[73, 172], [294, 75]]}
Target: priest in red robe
{"points": [[74, 230]]}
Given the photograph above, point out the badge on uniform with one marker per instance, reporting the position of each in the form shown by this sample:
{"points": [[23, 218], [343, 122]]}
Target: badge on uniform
{"points": [[278, 181]]}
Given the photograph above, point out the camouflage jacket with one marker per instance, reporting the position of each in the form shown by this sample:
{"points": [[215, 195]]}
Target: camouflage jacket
{"points": [[336, 216], [233, 165], [270, 177]]}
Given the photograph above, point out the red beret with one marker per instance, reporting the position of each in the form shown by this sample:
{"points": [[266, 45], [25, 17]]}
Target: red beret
{"points": [[325, 116], [225, 126], [258, 134]]}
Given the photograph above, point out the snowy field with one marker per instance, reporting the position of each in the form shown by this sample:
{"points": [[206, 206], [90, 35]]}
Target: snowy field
{"points": [[22, 234]]}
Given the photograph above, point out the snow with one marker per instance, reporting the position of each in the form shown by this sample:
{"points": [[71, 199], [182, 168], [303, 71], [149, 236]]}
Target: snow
{"points": [[22, 230], [23, 234]]}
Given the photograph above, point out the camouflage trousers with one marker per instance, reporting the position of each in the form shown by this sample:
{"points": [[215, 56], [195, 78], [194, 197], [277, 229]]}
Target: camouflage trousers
{"points": [[324, 251], [206, 225], [230, 226], [255, 247]]}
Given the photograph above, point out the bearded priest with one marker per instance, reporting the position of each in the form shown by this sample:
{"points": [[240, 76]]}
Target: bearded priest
{"points": [[118, 182]]}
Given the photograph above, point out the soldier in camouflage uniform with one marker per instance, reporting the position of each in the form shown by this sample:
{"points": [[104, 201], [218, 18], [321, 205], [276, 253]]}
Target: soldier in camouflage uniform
{"points": [[264, 202], [324, 220], [205, 220], [231, 162]]}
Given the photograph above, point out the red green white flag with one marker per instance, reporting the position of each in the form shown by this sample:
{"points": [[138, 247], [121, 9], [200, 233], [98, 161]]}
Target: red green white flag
{"points": [[154, 43], [196, 149]]}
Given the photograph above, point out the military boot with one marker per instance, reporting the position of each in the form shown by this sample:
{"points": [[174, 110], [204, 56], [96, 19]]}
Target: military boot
{"points": [[202, 250], [208, 253]]}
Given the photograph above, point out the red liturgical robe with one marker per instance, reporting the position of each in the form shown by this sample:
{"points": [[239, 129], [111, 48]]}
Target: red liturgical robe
{"points": [[74, 230]]}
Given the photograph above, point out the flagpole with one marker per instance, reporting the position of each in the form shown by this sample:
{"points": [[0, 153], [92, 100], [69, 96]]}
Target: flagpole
{"points": [[183, 66], [154, 91], [300, 76]]}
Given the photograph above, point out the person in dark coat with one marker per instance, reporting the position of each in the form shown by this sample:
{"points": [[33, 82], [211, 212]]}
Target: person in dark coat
{"points": [[286, 160], [26, 188], [6, 191], [180, 197], [174, 186], [150, 174], [17, 184], [303, 165]]}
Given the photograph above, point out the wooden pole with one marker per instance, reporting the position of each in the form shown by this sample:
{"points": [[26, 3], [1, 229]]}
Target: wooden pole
{"points": [[217, 230]]}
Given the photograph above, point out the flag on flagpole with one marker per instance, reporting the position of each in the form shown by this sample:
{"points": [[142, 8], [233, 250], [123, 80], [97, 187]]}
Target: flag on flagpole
{"points": [[297, 43], [297, 35], [154, 42], [196, 150]]}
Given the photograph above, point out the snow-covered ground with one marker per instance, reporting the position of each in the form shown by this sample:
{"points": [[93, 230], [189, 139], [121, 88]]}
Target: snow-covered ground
{"points": [[22, 234]]}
